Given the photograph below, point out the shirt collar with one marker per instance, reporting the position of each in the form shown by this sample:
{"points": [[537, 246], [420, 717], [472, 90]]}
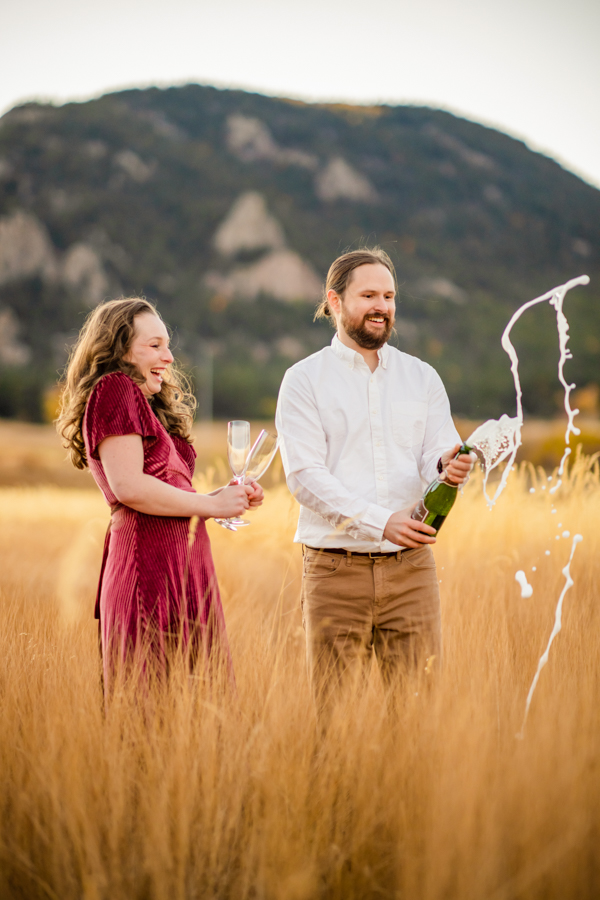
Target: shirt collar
{"points": [[350, 357], [383, 354]]}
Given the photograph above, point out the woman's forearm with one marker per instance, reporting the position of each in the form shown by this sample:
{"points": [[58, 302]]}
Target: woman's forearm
{"points": [[149, 495], [122, 458]]}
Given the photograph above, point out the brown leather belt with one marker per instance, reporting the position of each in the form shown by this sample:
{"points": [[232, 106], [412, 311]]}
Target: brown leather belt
{"points": [[354, 552]]}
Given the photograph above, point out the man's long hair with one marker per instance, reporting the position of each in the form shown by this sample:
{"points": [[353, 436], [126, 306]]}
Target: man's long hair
{"points": [[103, 342], [340, 274]]}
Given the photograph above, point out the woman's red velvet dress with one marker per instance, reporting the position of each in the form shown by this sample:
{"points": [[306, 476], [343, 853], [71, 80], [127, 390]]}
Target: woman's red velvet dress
{"points": [[158, 584]]}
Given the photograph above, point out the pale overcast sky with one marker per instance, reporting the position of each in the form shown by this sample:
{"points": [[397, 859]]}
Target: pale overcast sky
{"points": [[528, 67]]}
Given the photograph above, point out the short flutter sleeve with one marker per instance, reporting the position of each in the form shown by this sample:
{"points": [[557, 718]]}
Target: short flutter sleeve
{"points": [[117, 406]]}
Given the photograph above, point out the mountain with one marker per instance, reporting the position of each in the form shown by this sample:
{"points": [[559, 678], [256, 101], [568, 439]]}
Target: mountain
{"points": [[227, 208]]}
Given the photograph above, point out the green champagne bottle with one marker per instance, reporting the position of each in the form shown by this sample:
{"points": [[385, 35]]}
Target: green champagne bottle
{"points": [[438, 499]]}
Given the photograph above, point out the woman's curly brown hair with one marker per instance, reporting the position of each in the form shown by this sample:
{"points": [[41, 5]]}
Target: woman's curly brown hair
{"points": [[103, 343]]}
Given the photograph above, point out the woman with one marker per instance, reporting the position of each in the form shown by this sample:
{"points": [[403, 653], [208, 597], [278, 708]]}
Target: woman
{"points": [[126, 415]]}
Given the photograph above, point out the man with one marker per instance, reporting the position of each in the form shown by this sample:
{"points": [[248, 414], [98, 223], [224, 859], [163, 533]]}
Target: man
{"points": [[363, 428]]}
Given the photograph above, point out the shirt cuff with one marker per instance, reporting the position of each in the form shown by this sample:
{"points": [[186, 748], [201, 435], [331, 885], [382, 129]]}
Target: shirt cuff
{"points": [[372, 524]]}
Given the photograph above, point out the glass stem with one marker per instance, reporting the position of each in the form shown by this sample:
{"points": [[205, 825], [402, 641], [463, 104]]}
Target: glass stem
{"points": [[239, 479]]}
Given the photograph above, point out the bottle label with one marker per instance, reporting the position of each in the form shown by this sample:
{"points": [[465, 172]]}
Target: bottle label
{"points": [[420, 512]]}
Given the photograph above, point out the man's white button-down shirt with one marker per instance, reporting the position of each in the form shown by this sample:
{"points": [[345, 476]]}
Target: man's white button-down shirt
{"points": [[358, 445]]}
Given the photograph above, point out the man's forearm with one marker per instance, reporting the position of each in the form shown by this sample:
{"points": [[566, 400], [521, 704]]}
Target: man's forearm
{"points": [[325, 495]]}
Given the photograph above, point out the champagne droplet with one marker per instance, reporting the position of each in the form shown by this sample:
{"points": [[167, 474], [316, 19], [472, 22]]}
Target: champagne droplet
{"points": [[526, 589]]}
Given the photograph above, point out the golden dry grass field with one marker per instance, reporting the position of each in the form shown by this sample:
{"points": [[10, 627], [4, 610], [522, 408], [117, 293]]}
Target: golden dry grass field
{"points": [[199, 795]]}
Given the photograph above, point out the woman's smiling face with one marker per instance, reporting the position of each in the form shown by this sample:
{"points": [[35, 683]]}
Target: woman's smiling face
{"points": [[150, 352]]}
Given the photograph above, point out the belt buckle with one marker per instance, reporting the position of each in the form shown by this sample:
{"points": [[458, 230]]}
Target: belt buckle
{"points": [[377, 555]]}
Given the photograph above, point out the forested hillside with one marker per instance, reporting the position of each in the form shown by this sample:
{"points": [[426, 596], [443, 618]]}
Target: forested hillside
{"points": [[227, 207]]}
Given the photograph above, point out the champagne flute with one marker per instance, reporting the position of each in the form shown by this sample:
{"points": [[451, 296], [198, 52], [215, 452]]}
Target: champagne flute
{"points": [[262, 455], [238, 450], [258, 461]]}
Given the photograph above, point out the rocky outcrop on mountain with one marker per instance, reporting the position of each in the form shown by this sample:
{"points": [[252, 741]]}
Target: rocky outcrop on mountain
{"points": [[26, 252], [82, 271], [25, 248], [281, 274], [340, 181], [130, 163], [12, 351], [249, 226], [250, 140], [441, 287], [467, 154]]}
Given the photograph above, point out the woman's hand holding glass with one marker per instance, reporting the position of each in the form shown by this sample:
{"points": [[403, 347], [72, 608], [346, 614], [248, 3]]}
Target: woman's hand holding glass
{"points": [[254, 491], [231, 501]]}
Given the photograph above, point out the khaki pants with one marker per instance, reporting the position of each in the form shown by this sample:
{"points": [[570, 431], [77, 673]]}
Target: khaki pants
{"points": [[354, 605]]}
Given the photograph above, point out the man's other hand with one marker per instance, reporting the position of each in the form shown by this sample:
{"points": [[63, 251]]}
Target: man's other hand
{"points": [[458, 470], [254, 492], [407, 532]]}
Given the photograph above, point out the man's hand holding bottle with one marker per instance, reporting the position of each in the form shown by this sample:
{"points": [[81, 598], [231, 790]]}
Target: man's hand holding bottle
{"points": [[403, 529]]}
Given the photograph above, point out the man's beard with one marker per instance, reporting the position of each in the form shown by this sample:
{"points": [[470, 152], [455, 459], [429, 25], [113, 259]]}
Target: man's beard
{"points": [[367, 339]]}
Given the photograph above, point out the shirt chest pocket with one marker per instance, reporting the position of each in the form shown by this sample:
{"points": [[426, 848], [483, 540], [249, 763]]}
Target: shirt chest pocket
{"points": [[409, 418]]}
